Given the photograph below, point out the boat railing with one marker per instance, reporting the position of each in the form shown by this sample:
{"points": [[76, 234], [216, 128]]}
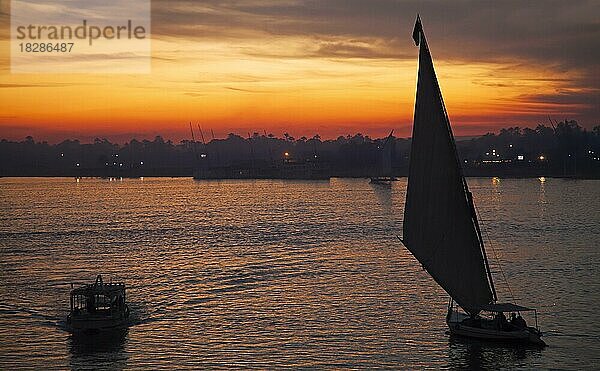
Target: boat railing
{"points": [[456, 314], [98, 298]]}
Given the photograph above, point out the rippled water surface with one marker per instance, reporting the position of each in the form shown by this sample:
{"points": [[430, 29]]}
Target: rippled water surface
{"points": [[284, 273]]}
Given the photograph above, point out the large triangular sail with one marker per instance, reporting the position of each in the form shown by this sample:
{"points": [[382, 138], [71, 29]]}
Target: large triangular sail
{"points": [[440, 228]]}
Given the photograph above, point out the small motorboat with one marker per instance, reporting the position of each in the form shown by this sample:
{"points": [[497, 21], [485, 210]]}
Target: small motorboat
{"points": [[98, 306]]}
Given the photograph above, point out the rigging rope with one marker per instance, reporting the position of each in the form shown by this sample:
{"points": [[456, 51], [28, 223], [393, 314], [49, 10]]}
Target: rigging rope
{"points": [[495, 254]]}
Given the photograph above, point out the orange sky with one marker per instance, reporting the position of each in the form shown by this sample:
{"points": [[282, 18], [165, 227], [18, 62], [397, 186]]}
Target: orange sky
{"points": [[247, 78]]}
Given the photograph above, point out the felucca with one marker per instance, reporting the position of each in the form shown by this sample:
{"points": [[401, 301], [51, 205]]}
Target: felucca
{"points": [[386, 173], [440, 223]]}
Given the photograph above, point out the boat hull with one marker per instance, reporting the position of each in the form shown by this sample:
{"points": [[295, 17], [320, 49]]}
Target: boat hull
{"points": [[89, 322], [528, 335], [97, 324], [383, 180]]}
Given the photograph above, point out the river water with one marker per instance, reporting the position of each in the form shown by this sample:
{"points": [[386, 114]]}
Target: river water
{"points": [[269, 273]]}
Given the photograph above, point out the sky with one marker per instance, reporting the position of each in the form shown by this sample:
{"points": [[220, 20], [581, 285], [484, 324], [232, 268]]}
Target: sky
{"points": [[327, 67]]}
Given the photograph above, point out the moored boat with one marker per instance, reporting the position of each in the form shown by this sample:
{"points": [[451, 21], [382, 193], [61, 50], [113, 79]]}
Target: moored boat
{"points": [[441, 228], [98, 306]]}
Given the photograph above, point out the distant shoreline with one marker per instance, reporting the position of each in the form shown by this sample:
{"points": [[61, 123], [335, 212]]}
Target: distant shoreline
{"points": [[565, 150]]}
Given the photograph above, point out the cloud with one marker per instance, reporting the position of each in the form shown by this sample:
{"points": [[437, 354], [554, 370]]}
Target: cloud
{"points": [[565, 35], [359, 48], [587, 97], [248, 90], [562, 38], [40, 85], [564, 32], [580, 103]]}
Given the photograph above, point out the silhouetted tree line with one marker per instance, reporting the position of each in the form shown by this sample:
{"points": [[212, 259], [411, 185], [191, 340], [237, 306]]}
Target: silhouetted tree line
{"points": [[564, 150]]}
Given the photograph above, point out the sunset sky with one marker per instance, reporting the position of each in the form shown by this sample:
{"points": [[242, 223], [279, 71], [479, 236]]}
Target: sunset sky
{"points": [[330, 67]]}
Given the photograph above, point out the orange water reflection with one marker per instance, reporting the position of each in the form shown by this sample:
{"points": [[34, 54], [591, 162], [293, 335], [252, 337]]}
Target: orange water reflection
{"points": [[280, 273]]}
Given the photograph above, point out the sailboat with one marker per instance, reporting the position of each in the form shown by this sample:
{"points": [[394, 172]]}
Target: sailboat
{"points": [[386, 176], [441, 228]]}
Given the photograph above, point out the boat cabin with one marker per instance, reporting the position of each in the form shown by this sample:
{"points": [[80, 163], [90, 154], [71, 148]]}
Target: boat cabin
{"points": [[496, 316], [515, 321], [98, 298]]}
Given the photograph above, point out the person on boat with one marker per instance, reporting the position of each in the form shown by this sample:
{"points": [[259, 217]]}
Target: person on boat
{"points": [[501, 321], [520, 322], [513, 320]]}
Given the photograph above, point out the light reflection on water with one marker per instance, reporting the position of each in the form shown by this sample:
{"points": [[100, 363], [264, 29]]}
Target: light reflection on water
{"points": [[283, 273]]}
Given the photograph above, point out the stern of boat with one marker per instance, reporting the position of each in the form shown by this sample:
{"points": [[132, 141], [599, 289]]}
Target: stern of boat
{"points": [[535, 337]]}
